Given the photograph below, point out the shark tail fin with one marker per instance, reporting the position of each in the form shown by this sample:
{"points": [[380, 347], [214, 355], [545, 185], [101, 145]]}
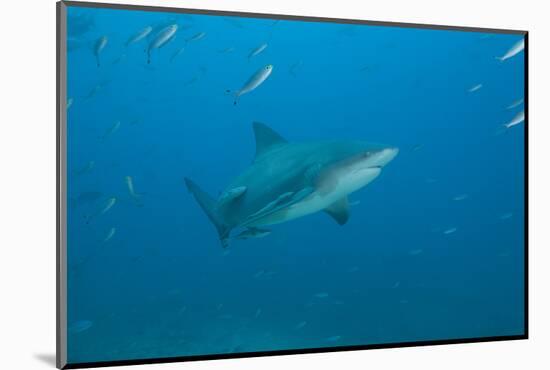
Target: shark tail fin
{"points": [[209, 207]]}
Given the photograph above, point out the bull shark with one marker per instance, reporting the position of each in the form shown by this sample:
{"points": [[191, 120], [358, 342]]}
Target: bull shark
{"points": [[291, 180]]}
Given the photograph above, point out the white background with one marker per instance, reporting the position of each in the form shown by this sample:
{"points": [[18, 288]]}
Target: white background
{"points": [[27, 182]]}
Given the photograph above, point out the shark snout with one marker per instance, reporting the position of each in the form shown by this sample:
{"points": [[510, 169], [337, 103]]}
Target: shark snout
{"points": [[384, 156]]}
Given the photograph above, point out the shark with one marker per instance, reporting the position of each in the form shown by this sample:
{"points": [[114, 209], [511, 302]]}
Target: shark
{"points": [[288, 180]]}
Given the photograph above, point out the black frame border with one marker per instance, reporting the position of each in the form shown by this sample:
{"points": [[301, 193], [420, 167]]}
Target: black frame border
{"points": [[61, 101]]}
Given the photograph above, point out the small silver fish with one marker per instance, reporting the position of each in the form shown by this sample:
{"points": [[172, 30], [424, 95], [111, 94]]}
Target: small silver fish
{"points": [[87, 168], [513, 51], [253, 82], [257, 50], [227, 50], [130, 185], [139, 36], [415, 252], [110, 234], [365, 68], [334, 338], [114, 128], [475, 88], [518, 118], [109, 203], [460, 197], [69, 103], [417, 147], [321, 295], [99, 46], [197, 37], [506, 216], [259, 274], [191, 81], [161, 39], [516, 103], [96, 89], [158, 27], [176, 53], [300, 325], [450, 230], [80, 326], [93, 92]]}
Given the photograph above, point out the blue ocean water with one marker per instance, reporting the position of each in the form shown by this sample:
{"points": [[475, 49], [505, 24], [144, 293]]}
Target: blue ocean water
{"points": [[433, 248]]}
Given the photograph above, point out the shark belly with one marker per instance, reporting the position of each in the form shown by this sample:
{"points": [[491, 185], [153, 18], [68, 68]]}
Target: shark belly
{"points": [[329, 191], [313, 203]]}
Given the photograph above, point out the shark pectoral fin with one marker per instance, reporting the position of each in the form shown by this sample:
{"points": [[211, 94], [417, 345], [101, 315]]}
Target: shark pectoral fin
{"points": [[301, 194], [282, 201], [339, 210], [231, 195]]}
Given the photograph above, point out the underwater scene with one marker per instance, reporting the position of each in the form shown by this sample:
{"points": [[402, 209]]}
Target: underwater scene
{"points": [[237, 185]]}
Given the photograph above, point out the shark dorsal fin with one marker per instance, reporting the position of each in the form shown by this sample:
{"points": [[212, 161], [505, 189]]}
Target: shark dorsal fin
{"points": [[266, 138]]}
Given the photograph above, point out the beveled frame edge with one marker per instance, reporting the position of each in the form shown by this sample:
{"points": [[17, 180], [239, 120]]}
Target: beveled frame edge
{"points": [[167, 9], [61, 185]]}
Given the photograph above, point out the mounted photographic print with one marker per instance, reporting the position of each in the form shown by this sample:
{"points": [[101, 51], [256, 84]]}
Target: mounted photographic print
{"points": [[237, 184]]}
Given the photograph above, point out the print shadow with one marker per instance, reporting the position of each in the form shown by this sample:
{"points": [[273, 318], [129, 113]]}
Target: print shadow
{"points": [[46, 358]]}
